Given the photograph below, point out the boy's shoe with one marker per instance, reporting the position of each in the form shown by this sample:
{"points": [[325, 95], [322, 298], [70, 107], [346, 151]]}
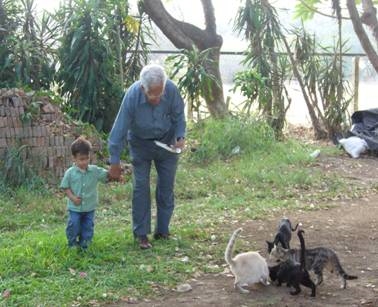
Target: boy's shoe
{"points": [[161, 236], [143, 242], [73, 246]]}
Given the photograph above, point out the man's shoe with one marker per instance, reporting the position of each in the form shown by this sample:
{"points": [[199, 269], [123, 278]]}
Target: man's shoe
{"points": [[144, 243], [161, 236]]}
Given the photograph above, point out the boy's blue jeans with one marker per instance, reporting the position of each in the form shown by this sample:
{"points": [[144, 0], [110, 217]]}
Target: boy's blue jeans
{"points": [[80, 228]]}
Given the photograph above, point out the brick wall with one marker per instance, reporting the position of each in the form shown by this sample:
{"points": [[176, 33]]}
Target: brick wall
{"points": [[39, 124]]}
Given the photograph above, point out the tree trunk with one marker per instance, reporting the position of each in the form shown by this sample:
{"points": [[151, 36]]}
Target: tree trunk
{"points": [[369, 17], [184, 36], [361, 34]]}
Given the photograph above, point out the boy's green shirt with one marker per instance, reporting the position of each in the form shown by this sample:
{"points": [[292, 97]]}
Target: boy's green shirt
{"points": [[83, 184]]}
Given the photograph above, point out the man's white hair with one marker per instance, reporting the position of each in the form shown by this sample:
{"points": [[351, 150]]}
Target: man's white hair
{"points": [[152, 74]]}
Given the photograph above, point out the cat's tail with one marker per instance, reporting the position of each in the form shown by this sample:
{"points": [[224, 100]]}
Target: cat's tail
{"points": [[303, 249], [296, 226], [340, 269], [230, 247]]}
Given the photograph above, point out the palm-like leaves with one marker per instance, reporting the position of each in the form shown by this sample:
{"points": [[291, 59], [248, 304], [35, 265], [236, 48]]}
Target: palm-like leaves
{"points": [[321, 79], [193, 80], [93, 63], [257, 21], [25, 58]]}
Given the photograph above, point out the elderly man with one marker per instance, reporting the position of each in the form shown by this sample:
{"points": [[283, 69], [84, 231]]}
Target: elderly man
{"points": [[152, 110]]}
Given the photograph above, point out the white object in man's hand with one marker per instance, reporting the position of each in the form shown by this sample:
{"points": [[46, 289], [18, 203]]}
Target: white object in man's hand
{"points": [[166, 147]]}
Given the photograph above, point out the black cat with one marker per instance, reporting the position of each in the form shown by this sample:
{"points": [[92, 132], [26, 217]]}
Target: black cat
{"points": [[283, 235], [295, 274]]}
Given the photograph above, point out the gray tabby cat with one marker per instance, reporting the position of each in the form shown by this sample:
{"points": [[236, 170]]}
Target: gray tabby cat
{"points": [[248, 268], [316, 260]]}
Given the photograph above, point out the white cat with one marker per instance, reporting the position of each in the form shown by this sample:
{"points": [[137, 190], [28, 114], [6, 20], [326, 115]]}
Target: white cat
{"points": [[248, 268]]}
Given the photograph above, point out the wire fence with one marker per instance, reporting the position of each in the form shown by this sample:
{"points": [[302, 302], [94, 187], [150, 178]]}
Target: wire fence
{"points": [[231, 63]]}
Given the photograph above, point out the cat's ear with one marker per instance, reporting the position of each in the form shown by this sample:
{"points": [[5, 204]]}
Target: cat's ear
{"points": [[280, 247], [270, 246]]}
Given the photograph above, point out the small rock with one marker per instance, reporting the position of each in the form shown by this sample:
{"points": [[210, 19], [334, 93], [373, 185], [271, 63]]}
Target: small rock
{"points": [[184, 288], [185, 259], [315, 154]]}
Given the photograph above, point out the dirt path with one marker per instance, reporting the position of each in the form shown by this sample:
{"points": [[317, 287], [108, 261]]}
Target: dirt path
{"points": [[350, 227]]}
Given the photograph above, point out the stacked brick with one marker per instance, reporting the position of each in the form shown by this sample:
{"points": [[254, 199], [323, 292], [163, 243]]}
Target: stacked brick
{"points": [[42, 127]]}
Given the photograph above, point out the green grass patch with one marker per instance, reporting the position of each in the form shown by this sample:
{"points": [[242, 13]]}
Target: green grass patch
{"points": [[215, 190]]}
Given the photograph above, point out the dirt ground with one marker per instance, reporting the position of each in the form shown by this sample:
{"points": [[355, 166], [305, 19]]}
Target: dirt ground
{"points": [[349, 226]]}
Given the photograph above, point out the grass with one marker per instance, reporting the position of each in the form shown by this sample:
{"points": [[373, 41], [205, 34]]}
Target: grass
{"points": [[213, 196]]}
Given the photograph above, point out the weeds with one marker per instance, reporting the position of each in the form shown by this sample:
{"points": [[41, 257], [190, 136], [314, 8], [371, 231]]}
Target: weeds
{"points": [[16, 172], [232, 136]]}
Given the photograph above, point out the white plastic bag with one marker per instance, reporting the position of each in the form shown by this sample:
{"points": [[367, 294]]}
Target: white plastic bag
{"points": [[354, 146]]}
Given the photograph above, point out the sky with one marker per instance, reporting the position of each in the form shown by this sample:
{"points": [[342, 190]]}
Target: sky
{"points": [[191, 11]]}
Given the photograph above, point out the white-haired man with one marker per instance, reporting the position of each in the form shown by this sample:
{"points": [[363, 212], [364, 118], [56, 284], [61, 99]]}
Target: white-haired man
{"points": [[152, 110]]}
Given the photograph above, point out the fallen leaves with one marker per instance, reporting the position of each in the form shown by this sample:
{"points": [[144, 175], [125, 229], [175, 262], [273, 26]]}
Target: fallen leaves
{"points": [[147, 268], [6, 294], [73, 272]]}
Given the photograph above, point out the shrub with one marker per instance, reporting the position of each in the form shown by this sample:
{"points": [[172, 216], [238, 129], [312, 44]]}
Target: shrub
{"points": [[221, 139]]}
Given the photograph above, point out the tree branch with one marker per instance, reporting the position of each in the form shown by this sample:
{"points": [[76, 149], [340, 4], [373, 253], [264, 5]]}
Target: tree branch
{"points": [[369, 17], [184, 35], [319, 12], [361, 34], [209, 17]]}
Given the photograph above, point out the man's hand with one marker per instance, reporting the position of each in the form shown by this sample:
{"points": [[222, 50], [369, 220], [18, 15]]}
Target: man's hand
{"points": [[115, 172], [180, 143]]}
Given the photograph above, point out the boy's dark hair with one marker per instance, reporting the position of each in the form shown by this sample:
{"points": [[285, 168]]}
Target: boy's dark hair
{"points": [[81, 146]]}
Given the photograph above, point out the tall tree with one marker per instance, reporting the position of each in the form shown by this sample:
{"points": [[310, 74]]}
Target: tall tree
{"points": [[185, 36]]}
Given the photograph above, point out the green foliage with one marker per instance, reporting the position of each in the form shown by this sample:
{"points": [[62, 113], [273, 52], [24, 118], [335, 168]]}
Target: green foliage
{"points": [[221, 139], [254, 87], [31, 112], [96, 38], [258, 22], [26, 56], [193, 79], [15, 171], [85, 76], [8, 20], [134, 37], [305, 10], [321, 78], [97, 47]]}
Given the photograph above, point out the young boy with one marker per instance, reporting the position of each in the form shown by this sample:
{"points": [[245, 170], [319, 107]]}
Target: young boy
{"points": [[80, 184]]}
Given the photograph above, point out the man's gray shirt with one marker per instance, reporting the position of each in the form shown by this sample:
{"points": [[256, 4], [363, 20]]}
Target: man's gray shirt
{"points": [[139, 119]]}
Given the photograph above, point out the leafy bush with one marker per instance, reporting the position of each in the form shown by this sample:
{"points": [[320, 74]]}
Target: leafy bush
{"points": [[221, 139]]}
